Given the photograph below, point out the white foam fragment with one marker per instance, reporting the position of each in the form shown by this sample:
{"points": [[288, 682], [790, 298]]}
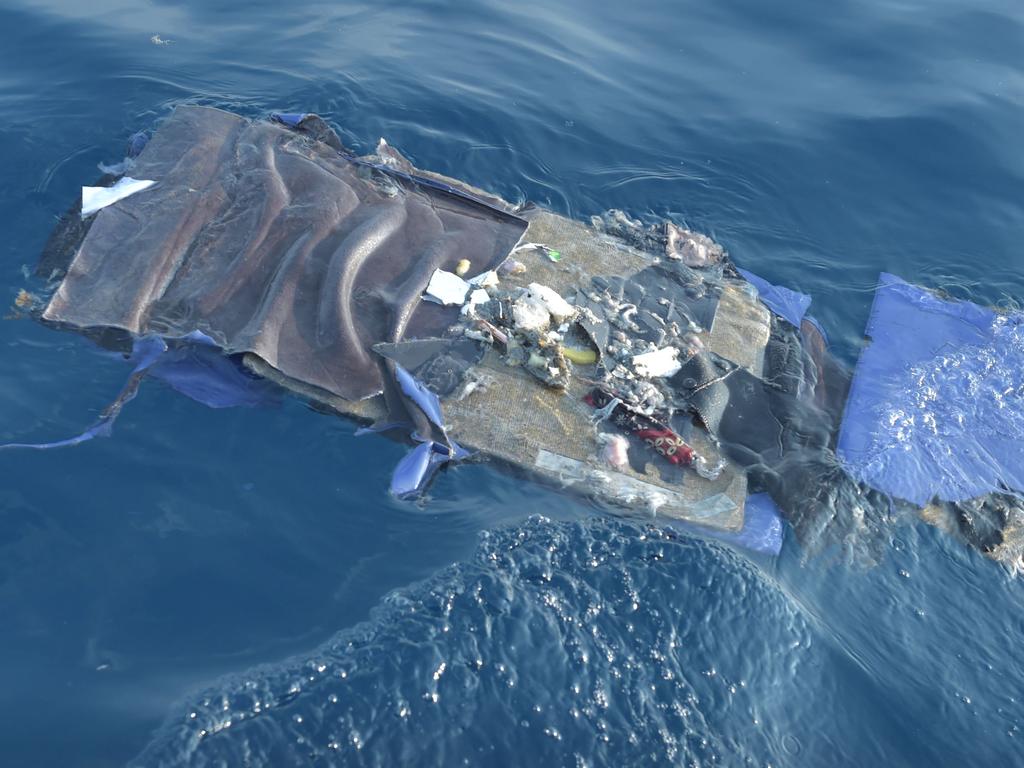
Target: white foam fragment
{"points": [[530, 314], [96, 198], [559, 308], [446, 288], [660, 362]]}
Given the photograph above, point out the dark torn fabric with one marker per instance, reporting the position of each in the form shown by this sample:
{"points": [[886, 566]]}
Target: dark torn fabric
{"points": [[274, 243], [758, 421], [663, 294], [440, 365]]}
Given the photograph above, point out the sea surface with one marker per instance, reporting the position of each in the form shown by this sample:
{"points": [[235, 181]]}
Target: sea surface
{"points": [[235, 587]]}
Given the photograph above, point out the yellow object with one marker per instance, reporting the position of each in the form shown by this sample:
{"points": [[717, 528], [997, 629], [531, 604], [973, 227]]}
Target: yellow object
{"points": [[462, 267], [24, 300], [580, 356]]}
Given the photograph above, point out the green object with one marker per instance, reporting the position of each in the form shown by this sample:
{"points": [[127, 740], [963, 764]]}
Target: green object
{"points": [[553, 255]]}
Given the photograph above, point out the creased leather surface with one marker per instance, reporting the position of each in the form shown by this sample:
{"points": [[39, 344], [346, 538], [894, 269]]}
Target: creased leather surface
{"points": [[275, 244]]}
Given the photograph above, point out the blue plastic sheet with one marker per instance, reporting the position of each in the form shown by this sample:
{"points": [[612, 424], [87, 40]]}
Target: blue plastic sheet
{"points": [[788, 304], [936, 405]]}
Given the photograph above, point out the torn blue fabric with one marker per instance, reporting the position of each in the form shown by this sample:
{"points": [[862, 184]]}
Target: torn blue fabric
{"points": [[936, 405], [198, 337], [102, 428], [145, 352], [291, 119], [417, 468], [788, 304], [206, 375], [424, 399], [198, 370]]}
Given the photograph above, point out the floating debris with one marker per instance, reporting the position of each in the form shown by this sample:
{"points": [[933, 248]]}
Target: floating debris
{"points": [[25, 300], [657, 363], [512, 267], [545, 250], [488, 279], [580, 356], [559, 309], [446, 288], [96, 198], [692, 248]]}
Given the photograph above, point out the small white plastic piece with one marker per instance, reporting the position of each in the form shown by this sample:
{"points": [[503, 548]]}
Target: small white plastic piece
{"points": [[660, 362], [446, 288]]}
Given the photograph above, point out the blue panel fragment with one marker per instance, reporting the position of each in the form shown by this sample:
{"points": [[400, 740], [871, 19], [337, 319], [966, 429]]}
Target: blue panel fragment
{"points": [[788, 304], [936, 406]]}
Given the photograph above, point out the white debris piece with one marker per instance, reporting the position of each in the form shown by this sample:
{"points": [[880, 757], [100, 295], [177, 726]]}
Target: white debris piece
{"points": [[488, 279], [660, 362], [446, 288], [530, 314], [95, 198], [392, 157], [691, 248], [479, 296], [546, 250], [529, 247], [559, 308]]}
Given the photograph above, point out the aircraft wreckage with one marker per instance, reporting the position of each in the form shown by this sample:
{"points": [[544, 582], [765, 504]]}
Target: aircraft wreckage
{"points": [[235, 258]]}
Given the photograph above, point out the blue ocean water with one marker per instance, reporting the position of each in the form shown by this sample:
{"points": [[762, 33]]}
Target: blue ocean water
{"points": [[235, 587]]}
